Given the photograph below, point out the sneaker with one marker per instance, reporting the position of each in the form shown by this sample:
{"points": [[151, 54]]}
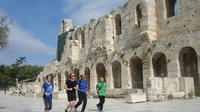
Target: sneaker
{"points": [[98, 107], [75, 110]]}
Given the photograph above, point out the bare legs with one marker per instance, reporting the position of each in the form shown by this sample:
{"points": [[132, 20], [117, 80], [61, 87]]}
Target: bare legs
{"points": [[70, 106]]}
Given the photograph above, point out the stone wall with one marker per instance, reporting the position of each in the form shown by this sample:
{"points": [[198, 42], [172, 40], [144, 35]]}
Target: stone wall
{"points": [[139, 45]]}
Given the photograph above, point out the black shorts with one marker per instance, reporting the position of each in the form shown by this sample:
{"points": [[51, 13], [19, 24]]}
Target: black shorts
{"points": [[48, 104], [71, 96]]}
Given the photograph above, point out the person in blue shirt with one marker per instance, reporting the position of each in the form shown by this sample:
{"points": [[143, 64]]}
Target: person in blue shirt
{"points": [[82, 93], [47, 89]]}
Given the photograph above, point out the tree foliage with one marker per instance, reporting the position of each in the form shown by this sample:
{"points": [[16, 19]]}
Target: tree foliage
{"points": [[4, 30], [20, 60], [9, 74]]}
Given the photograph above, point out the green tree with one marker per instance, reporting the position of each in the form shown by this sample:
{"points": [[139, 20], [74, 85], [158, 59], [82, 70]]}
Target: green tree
{"points": [[4, 30], [29, 72], [9, 74], [5, 79], [20, 60]]}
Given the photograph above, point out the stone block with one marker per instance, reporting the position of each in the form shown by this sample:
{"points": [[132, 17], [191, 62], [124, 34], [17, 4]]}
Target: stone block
{"points": [[116, 93], [187, 85], [171, 85], [156, 85], [136, 97], [178, 94]]}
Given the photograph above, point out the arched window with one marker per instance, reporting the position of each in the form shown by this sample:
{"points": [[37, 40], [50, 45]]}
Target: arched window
{"points": [[83, 39], [139, 15], [118, 24], [70, 38], [101, 71], [63, 26], [76, 73], [39, 80], [59, 81], [87, 74], [66, 75], [172, 7]]}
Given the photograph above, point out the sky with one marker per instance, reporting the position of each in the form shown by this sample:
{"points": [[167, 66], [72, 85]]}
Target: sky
{"points": [[36, 24]]}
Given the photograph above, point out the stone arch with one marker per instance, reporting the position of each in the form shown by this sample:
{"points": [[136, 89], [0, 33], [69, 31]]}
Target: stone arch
{"points": [[159, 61], [59, 82], [171, 7], [188, 62], [82, 39], [76, 73], [118, 24], [139, 14], [87, 74], [116, 72], [136, 71], [101, 71]]}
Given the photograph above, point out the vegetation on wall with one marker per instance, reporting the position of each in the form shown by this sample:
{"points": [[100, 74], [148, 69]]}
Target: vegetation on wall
{"points": [[60, 45]]}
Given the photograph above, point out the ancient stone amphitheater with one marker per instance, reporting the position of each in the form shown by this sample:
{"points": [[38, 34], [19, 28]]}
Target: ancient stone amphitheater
{"points": [[146, 50]]}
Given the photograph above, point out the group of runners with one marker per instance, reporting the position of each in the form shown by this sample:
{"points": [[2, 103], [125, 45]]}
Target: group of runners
{"points": [[72, 87]]}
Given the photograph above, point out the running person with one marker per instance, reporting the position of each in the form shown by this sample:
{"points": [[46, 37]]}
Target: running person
{"points": [[101, 86], [71, 87], [82, 93], [47, 89]]}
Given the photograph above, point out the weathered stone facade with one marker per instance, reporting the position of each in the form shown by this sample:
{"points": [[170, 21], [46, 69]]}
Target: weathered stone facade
{"points": [[146, 46]]}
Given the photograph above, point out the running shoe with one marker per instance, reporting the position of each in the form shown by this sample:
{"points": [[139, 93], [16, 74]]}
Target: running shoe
{"points": [[98, 107], [75, 110]]}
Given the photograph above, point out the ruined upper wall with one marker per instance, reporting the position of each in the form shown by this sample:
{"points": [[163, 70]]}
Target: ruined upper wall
{"points": [[127, 27], [186, 20]]}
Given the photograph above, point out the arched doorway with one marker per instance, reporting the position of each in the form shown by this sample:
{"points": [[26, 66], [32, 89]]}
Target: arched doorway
{"points": [[116, 70], [87, 74], [188, 62], [76, 73], [160, 65], [66, 75], [59, 81], [101, 71], [136, 72]]}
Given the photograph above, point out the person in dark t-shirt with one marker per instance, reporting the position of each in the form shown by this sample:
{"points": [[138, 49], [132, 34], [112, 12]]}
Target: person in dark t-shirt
{"points": [[71, 87]]}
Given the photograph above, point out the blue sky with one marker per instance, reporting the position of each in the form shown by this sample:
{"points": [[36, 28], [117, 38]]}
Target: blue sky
{"points": [[37, 23]]}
